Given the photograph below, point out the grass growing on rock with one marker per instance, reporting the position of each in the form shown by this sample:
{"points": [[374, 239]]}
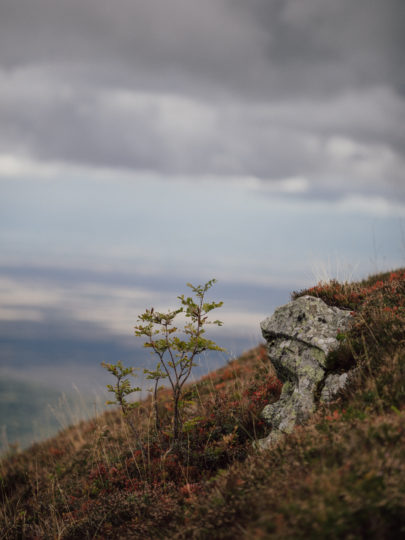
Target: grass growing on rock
{"points": [[342, 475]]}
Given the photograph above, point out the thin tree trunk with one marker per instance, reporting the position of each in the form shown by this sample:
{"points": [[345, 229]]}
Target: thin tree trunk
{"points": [[155, 404], [176, 416]]}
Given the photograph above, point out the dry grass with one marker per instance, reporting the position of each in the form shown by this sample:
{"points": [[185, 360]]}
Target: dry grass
{"points": [[340, 476], [66, 487]]}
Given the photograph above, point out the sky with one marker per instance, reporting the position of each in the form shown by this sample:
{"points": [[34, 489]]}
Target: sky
{"points": [[144, 145]]}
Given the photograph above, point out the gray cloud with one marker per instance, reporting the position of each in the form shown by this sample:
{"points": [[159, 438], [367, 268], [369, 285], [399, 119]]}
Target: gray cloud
{"points": [[327, 46], [271, 89], [260, 45]]}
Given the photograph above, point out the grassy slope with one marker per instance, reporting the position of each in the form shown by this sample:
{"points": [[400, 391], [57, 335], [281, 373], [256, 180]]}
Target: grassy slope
{"points": [[340, 476]]}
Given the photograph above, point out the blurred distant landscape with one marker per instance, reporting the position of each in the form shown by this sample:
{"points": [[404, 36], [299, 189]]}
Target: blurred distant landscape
{"points": [[30, 412]]}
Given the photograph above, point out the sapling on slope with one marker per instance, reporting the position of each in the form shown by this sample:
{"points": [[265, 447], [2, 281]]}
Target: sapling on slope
{"points": [[121, 389], [177, 353]]}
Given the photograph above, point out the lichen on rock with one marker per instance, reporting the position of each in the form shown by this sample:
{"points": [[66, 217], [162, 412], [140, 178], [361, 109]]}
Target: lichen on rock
{"points": [[333, 383], [299, 336]]}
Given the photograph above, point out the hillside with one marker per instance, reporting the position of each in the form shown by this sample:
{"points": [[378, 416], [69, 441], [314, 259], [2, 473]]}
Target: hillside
{"points": [[341, 475]]}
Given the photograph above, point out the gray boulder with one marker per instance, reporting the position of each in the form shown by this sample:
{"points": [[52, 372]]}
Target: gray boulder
{"points": [[299, 336], [332, 385]]}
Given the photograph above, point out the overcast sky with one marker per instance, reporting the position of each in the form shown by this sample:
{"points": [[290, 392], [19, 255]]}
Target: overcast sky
{"points": [[272, 89], [261, 142]]}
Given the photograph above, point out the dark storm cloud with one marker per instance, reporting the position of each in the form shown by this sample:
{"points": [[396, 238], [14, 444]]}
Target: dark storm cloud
{"points": [[259, 45], [130, 40], [327, 46], [271, 89]]}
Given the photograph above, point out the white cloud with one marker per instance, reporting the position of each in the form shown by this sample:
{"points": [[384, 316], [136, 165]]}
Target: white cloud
{"points": [[14, 166], [290, 186], [238, 323], [113, 307], [372, 206], [9, 314], [16, 293]]}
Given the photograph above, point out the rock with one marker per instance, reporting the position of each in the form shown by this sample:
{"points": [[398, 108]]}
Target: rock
{"points": [[332, 386], [299, 337]]}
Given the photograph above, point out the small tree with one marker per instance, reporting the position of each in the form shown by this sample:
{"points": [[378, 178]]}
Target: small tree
{"points": [[177, 353], [121, 390]]}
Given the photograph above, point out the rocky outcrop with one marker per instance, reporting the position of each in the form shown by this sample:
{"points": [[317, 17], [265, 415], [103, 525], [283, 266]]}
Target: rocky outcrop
{"points": [[299, 336]]}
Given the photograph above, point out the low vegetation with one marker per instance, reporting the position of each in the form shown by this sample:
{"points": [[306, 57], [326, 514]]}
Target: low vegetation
{"points": [[342, 475]]}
